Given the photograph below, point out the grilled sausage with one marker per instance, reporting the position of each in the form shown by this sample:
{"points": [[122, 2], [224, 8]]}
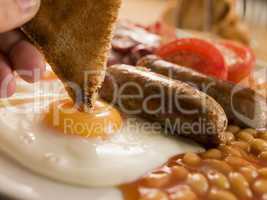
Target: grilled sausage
{"points": [[242, 105], [178, 107]]}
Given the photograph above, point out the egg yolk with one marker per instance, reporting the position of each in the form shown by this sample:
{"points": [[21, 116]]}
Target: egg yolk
{"points": [[102, 121], [49, 76]]}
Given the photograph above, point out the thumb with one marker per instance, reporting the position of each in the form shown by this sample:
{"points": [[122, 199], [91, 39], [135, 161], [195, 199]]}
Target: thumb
{"points": [[14, 13]]}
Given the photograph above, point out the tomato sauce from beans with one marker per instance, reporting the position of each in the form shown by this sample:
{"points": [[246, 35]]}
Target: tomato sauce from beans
{"points": [[237, 170]]}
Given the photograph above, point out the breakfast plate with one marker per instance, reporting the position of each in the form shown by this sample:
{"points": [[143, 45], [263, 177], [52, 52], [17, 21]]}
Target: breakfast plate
{"points": [[20, 183]]}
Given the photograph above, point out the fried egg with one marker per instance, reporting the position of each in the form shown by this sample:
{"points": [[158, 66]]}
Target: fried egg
{"points": [[119, 152]]}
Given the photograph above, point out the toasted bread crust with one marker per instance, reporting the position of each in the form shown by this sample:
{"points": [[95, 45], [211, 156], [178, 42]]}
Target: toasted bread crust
{"points": [[75, 38]]}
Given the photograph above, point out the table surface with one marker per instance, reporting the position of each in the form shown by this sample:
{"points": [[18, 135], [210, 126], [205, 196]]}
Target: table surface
{"points": [[142, 11]]}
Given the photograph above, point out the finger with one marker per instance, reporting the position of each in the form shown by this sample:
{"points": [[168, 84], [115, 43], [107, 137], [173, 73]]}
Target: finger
{"points": [[14, 13], [22, 56], [28, 62], [9, 39], [7, 79]]}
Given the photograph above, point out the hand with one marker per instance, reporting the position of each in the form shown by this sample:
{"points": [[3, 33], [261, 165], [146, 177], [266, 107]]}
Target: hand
{"points": [[16, 53]]}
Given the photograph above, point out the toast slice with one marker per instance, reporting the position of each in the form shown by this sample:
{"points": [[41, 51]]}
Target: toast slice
{"points": [[75, 36]]}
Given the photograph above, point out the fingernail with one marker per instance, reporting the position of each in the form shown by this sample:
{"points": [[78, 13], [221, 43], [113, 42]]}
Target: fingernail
{"points": [[26, 5]]}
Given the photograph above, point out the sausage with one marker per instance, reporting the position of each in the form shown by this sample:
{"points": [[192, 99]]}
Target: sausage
{"points": [[242, 105], [178, 107]]}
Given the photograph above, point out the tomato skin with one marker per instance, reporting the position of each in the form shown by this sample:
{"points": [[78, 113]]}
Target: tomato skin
{"points": [[243, 66], [198, 54]]}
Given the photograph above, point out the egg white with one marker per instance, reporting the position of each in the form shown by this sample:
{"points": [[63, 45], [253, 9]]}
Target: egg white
{"points": [[124, 157], [19, 183]]}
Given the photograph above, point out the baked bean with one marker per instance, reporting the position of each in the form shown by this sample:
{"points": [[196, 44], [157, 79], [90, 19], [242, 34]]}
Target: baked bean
{"points": [[240, 145], [157, 179], [198, 182], [232, 171], [182, 192], [239, 185], [216, 194], [263, 156], [218, 179], [250, 173], [233, 129], [245, 136], [260, 186], [191, 159], [213, 154], [258, 146], [236, 162], [218, 165], [263, 135], [180, 172], [155, 195], [228, 137], [263, 172], [227, 150], [251, 130]]}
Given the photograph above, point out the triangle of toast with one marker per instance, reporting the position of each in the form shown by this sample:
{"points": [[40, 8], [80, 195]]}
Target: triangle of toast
{"points": [[74, 36]]}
